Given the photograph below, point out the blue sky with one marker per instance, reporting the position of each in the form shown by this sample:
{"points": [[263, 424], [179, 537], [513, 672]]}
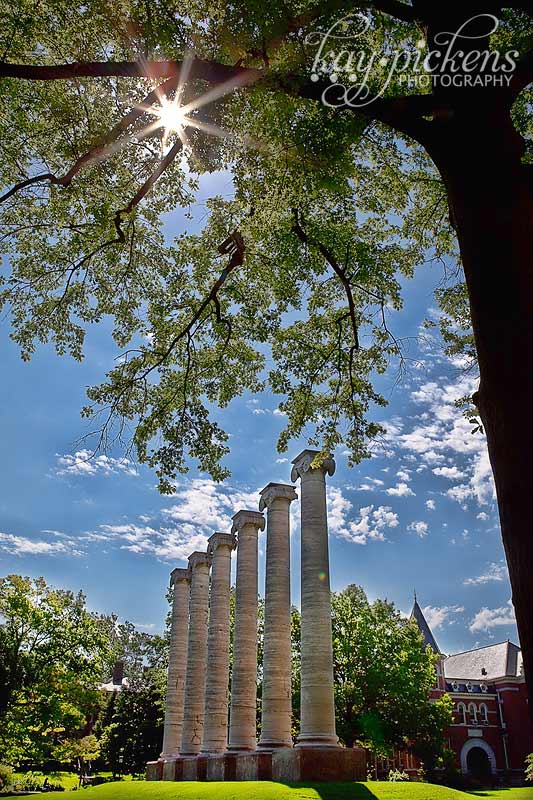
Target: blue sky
{"points": [[420, 514]]}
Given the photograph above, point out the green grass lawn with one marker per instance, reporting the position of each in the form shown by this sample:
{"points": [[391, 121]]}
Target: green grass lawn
{"points": [[67, 779], [265, 790]]}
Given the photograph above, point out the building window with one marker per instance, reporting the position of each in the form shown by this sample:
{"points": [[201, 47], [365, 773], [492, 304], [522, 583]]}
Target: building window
{"points": [[483, 713], [472, 711], [461, 711]]}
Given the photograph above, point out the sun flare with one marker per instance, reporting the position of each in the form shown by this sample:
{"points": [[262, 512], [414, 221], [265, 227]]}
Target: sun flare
{"points": [[171, 115]]}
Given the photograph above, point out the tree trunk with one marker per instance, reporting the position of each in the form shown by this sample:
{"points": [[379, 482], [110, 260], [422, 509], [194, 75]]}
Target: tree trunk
{"points": [[491, 204]]}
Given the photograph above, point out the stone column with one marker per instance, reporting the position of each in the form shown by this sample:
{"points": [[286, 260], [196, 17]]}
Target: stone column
{"points": [[180, 580], [242, 726], [317, 723], [193, 712], [276, 696], [215, 740]]}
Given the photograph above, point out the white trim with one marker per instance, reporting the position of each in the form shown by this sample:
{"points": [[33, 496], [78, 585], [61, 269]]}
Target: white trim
{"points": [[469, 745]]}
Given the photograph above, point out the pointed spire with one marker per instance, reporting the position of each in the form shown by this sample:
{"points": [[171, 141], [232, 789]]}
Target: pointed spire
{"points": [[423, 626]]}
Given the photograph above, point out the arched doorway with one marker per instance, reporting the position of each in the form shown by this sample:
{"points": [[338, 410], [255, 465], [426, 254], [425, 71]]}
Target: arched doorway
{"points": [[478, 760], [478, 765]]}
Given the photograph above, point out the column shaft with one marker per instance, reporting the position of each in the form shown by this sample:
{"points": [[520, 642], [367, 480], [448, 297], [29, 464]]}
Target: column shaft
{"points": [[177, 663], [276, 716], [215, 739], [193, 714], [242, 732], [317, 723]]}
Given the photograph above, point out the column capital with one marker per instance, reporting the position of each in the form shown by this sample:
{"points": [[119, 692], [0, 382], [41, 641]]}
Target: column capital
{"points": [[197, 558], [218, 539], [275, 491], [302, 464], [178, 575], [246, 517]]}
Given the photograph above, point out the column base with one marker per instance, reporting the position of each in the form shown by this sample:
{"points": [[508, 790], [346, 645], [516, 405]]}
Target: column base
{"points": [[235, 749], [319, 764], [284, 765], [272, 744], [317, 740]]}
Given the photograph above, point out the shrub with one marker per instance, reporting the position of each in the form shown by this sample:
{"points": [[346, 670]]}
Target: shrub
{"points": [[397, 775], [6, 777], [28, 782], [529, 767]]}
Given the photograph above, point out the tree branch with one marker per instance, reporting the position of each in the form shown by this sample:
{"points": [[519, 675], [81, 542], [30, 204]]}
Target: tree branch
{"points": [[165, 162], [103, 148], [339, 271], [197, 68]]}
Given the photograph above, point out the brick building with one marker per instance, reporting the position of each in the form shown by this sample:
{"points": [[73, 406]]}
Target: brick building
{"points": [[491, 733]]}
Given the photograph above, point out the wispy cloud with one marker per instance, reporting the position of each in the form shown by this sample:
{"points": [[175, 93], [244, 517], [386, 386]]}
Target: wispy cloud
{"points": [[494, 573], [488, 618], [436, 616], [369, 524], [85, 463], [30, 546]]}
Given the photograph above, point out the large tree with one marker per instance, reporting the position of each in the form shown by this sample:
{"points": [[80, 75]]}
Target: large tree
{"points": [[330, 204], [383, 678], [52, 651]]}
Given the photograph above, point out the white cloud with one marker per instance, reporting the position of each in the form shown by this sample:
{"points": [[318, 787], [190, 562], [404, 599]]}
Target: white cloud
{"points": [[372, 485], [370, 525], [483, 516], [85, 463], [452, 473], [209, 505], [26, 546], [493, 574], [488, 618], [400, 490], [282, 460], [168, 544], [430, 505], [437, 616], [404, 475], [419, 527], [440, 435]]}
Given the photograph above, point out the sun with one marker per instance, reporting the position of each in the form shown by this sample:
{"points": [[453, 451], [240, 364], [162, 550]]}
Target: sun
{"points": [[170, 114]]}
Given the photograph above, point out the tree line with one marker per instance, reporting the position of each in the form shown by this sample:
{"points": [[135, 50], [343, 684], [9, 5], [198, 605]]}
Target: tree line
{"points": [[55, 654]]}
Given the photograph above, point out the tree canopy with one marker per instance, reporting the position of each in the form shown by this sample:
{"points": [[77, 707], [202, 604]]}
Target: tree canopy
{"points": [[331, 209], [345, 175]]}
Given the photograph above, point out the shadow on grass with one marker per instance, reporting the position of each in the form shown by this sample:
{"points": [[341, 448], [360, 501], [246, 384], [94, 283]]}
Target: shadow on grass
{"points": [[337, 791]]}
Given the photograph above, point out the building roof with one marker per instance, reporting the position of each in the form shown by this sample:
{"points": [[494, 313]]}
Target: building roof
{"points": [[425, 630], [485, 663]]}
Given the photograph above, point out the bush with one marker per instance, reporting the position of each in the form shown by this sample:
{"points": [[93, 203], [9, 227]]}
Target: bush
{"points": [[6, 778], [396, 775], [28, 782], [529, 767]]}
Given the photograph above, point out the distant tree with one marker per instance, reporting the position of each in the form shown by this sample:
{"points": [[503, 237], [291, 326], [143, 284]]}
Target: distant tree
{"points": [[296, 663], [383, 677], [52, 651], [135, 733], [79, 752], [136, 649]]}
